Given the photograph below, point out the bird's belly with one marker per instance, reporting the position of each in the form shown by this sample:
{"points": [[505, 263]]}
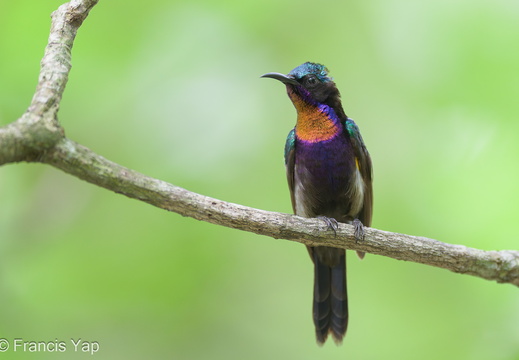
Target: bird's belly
{"points": [[327, 182]]}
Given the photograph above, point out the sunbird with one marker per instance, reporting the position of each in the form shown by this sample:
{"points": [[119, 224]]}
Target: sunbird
{"points": [[329, 175]]}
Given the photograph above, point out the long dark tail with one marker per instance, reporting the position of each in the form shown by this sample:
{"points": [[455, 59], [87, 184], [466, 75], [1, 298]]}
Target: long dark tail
{"points": [[330, 309]]}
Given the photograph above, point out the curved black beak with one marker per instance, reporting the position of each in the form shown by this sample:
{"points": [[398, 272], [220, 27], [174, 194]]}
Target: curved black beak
{"points": [[285, 79]]}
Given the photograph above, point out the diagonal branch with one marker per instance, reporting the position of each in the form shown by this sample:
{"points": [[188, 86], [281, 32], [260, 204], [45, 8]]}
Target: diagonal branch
{"points": [[37, 136], [77, 160]]}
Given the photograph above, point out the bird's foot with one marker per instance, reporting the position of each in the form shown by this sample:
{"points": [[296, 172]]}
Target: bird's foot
{"points": [[331, 224], [359, 230]]}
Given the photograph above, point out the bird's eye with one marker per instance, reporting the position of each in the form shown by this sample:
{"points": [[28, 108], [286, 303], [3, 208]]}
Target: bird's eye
{"points": [[311, 80]]}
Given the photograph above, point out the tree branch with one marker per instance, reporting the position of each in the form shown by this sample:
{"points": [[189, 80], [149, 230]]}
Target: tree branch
{"points": [[37, 136], [38, 129]]}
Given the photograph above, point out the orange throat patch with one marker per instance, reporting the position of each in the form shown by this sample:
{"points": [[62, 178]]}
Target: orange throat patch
{"points": [[313, 125]]}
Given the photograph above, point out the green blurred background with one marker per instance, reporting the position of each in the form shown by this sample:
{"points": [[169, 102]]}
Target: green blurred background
{"points": [[172, 89]]}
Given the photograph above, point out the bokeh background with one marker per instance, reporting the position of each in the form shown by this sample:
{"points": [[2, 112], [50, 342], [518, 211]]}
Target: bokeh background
{"points": [[172, 89]]}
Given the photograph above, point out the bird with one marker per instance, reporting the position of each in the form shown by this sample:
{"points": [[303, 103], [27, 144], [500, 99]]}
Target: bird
{"points": [[329, 174]]}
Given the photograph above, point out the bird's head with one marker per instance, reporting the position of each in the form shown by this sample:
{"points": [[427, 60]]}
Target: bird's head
{"points": [[309, 83]]}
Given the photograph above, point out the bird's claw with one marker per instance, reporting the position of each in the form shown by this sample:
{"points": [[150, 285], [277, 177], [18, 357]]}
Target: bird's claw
{"points": [[331, 224], [359, 230]]}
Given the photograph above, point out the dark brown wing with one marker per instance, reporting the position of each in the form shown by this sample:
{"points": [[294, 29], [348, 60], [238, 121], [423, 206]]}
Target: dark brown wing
{"points": [[366, 170]]}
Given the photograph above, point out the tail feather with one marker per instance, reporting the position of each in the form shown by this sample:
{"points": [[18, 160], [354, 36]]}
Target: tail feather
{"points": [[330, 306], [339, 301], [321, 307]]}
